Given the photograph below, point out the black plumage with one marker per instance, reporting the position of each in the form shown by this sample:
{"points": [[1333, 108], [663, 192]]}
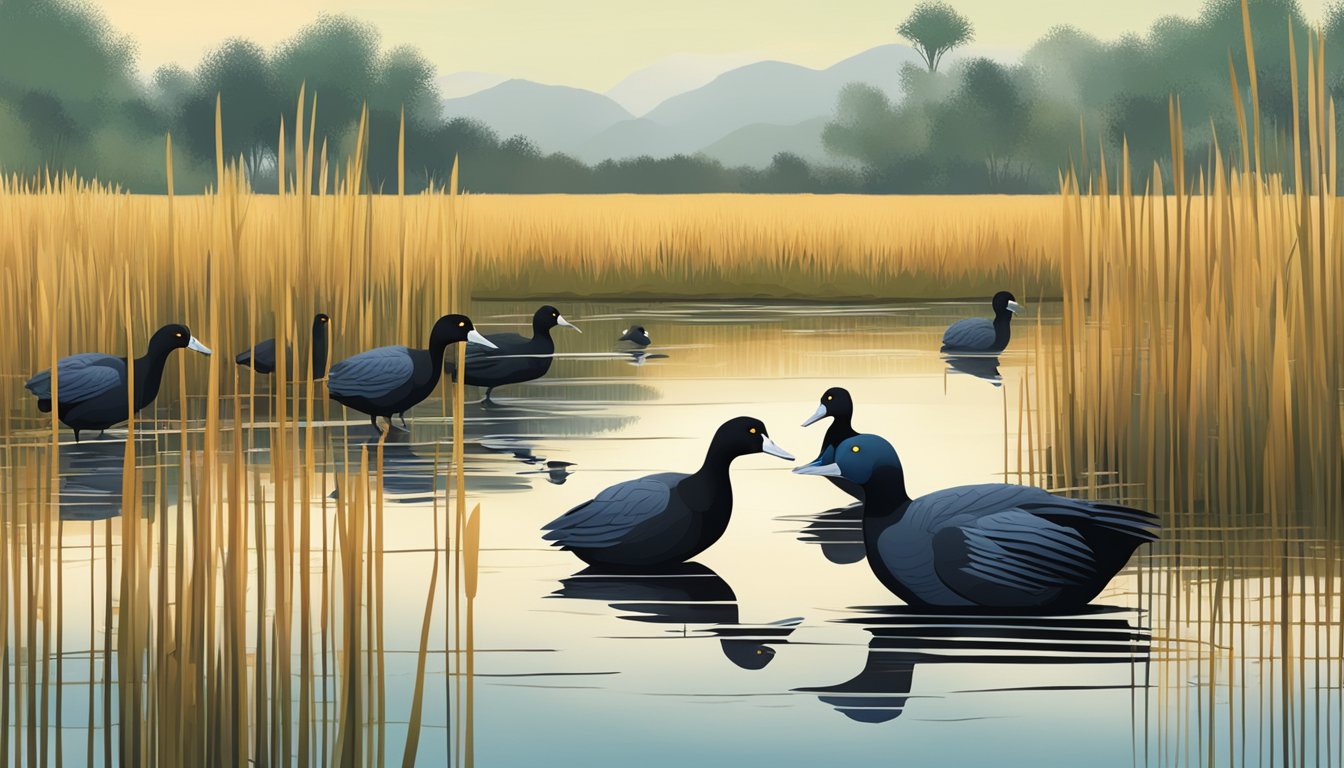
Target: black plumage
{"points": [[636, 335], [513, 359], [661, 520], [92, 387], [392, 380], [261, 356], [1000, 546], [839, 406], [976, 334]]}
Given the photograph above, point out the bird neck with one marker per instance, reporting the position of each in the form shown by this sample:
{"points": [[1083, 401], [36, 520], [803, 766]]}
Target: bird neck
{"points": [[320, 350], [841, 428], [437, 349], [541, 332], [149, 375], [884, 495], [1003, 320], [718, 459]]}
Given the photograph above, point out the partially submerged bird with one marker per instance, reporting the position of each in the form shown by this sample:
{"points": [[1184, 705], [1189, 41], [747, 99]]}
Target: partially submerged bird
{"points": [[510, 358], [261, 357], [392, 380], [636, 335], [91, 391], [839, 407], [976, 334], [664, 519], [995, 546]]}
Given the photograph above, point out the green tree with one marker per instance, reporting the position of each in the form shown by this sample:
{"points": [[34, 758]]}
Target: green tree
{"points": [[934, 28]]}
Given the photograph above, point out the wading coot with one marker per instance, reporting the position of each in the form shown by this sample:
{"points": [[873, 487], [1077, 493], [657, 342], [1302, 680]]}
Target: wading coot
{"points": [[511, 358], [664, 519], [636, 335], [994, 546], [839, 406], [261, 358], [91, 387], [392, 380], [976, 334]]}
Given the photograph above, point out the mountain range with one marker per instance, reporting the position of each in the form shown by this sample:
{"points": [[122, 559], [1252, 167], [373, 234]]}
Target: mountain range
{"points": [[741, 117]]}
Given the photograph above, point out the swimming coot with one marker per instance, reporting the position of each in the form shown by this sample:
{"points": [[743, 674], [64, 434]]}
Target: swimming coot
{"points": [[976, 334], [664, 519], [91, 387], [511, 358], [839, 406], [636, 335], [261, 358], [995, 546], [392, 380]]}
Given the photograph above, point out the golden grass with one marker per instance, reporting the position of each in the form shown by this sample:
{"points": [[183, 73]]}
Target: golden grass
{"points": [[88, 268], [1202, 349], [779, 246]]}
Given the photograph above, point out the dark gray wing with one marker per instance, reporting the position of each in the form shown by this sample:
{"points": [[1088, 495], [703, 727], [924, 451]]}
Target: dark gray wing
{"points": [[614, 513], [975, 333], [260, 357], [81, 377], [489, 362], [1012, 549], [372, 374]]}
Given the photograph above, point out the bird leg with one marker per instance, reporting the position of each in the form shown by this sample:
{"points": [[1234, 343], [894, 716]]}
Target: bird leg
{"points": [[76, 436], [404, 425], [374, 421], [488, 400]]}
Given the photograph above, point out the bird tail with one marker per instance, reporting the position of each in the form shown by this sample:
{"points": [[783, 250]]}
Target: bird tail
{"points": [[44, 405]]}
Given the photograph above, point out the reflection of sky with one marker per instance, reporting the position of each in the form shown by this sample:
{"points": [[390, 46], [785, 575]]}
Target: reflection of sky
{"points": [[574, 682]]}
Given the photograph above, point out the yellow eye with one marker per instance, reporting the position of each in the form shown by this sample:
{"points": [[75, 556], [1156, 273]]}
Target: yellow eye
{"points": [[462, 325], [179, 335], [759, 651], [828, 397], [753, 430], [855, 449]]}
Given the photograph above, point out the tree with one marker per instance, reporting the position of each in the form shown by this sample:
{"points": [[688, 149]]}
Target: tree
{"points": [[934, 28]]}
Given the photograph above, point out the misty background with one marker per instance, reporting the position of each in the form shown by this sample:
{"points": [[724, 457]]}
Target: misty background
{"points": [[880, 121]]}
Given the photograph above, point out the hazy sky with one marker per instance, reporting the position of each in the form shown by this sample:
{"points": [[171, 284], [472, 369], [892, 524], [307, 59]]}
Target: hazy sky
{"points": [[595, 43]]}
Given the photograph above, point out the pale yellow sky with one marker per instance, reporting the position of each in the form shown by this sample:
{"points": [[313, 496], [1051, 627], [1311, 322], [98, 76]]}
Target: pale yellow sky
{"points": [[595, 43]]}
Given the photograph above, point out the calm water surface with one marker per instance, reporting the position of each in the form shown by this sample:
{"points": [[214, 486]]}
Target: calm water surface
{"points": [[778, 646]]}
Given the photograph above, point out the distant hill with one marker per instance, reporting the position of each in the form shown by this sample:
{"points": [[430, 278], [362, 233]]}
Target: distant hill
{"points": [[757, 145], [738, 117], [644, 89], [556, 117]]}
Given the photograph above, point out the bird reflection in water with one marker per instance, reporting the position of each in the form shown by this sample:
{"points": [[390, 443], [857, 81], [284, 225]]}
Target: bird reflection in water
{"points": [[903, 639], [839, 533], [690, 596], [92, 477], [983, 367]]}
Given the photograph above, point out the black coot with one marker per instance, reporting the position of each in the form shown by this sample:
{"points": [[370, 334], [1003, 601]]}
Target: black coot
{"points": [[664, 519], [91, 387], [995, 546], [636, 335], [839, 406], [261, 358], [511, 358], [392, 380], [977, 334]]}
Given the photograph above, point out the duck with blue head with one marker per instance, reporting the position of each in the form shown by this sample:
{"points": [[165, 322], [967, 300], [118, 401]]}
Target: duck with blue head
{"points": [[976, 335], [994, 546], [662, 520]]}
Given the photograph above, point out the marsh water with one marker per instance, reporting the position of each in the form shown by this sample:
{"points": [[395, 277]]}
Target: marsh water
{"points": [[777, 646]]}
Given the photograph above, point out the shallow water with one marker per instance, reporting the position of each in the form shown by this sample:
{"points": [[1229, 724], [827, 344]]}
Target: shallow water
{"points": [[777, 646]]}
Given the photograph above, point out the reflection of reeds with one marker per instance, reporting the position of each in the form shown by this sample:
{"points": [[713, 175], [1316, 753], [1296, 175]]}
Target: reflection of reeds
{"points": [[197, 614]]}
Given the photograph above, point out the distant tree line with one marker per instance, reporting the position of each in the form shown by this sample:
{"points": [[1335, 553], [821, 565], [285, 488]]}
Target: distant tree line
{"points": [[70, 100]]}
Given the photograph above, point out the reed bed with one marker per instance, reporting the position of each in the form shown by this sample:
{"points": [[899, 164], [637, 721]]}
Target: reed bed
{"points": [[235, 621], [1201, 349], [778, 246]]}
